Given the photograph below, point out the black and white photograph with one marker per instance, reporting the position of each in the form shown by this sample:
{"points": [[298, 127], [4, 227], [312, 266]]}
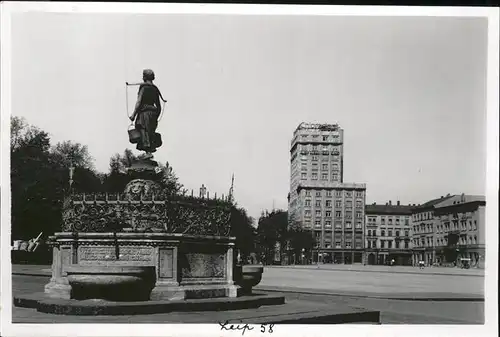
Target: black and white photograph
{"points": [[248, 170]]}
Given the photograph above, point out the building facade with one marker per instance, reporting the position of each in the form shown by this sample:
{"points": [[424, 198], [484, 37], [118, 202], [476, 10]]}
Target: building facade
{"points": [[319, 200], [450, 228], [388, 234]]}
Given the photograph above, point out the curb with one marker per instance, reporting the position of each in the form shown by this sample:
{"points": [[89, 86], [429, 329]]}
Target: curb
{"points": [[374, 296]]}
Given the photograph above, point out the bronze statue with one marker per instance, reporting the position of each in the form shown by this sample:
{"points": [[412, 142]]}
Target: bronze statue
{"points": [[146, 113]]}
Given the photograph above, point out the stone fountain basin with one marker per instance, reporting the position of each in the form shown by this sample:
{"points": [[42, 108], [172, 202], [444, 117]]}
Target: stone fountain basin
{"points": [[114, 283], [248, 276]]}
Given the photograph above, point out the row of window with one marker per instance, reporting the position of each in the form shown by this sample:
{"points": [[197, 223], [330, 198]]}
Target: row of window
{"points": [[338, 214], [347, 194], [323, 137], [422, 216], [455, 225], [373, 219], [328, 224], [338, 203], [389, 233], [315, 166], [324, 176], [397, 244]]}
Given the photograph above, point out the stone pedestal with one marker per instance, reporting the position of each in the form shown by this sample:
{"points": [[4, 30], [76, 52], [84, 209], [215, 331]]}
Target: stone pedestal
{"points": [[186, 266]]}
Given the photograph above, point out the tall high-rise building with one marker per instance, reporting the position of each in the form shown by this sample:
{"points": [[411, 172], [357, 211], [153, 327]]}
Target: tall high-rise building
{"points": [[319, 200]]}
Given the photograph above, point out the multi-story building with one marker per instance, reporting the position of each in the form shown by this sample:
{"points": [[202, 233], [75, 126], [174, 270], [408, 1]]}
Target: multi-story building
{"points": [[319, 200], [388, 234], [455, 222], [460, 224]]}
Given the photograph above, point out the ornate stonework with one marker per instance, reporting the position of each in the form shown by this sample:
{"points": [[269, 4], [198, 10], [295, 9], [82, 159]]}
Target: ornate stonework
{"points": [[141, 210], [139, 189]]}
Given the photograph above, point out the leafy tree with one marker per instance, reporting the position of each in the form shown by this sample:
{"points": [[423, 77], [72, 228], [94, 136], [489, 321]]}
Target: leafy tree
{"points": [[40, 177], [272, 229], [242, 228], [69, 154]]}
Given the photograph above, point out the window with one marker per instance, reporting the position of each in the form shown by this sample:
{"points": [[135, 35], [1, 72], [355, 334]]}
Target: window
{"points": [[303, 167], [338, 244], [328, 224], [328, 203], [315, 176], [317, 223], [348, 215], [338, 214], [318, 193], [315, 158], [318, 203], [324, 176], [303, 176], [314, 166], [308, 193], [407, 244], [475, 225], [407, 233], [359, 225], [308, 202], [328, 214], [325, 138], [338, 193], [324, 167], [307, 212], [369, 232], [389, 244], [397, 233], [338, 224], [359, 194], [369, 244], [335, 177], [338, 203], [318, 212], [348, 194], [382, 233], [397, 244], [335, 166], [348, 244], [328, 193], [382, 219], [382, 244], [359, 203], [359, 215], [407, 221], [390, 232], [348, 224]]}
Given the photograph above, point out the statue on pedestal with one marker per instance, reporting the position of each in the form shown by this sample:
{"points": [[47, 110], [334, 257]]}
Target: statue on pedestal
{"points": [[146, 113]]}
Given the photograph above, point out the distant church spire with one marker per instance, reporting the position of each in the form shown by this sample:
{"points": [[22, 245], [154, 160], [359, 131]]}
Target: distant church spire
{"points": [[231, 190]]}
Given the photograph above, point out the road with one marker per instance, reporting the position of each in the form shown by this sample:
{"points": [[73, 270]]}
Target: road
{"points": [[376, 282], [392, 311]]}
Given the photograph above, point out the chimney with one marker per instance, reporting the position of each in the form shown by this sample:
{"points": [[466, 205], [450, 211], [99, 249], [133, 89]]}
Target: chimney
{"points": [[390, 202], [399, 203]]}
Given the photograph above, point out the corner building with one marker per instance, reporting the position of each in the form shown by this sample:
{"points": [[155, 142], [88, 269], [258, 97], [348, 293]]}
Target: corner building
{"points": [[319, 200]]}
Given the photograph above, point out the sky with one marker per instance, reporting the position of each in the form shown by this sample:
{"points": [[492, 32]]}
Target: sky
{"points": [[410, 93]]}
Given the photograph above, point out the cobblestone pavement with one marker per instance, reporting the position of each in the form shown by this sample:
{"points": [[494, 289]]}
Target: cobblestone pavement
{"points": [[392, 311]]}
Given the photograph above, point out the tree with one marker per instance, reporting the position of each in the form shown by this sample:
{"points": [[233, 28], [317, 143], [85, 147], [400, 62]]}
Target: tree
{"points": [[272, 230], [69, 154], [300, 240], [34, 182], [117, 178], [40, 179], [243, 230]]}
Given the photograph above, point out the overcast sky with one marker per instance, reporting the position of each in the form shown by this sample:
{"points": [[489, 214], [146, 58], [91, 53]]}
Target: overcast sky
{"points": [[409, 93]]}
